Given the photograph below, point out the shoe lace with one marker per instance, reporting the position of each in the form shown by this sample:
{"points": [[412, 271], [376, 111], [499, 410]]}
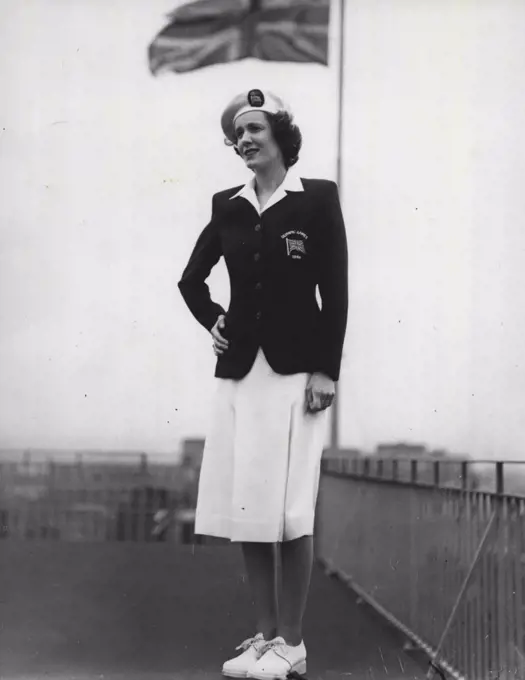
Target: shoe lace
{"points": [[276, 645], [273, 645], [250, 642]]}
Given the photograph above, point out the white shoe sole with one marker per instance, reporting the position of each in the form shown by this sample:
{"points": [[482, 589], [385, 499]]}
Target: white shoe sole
{"points": [[299, 668], [233, 674]]}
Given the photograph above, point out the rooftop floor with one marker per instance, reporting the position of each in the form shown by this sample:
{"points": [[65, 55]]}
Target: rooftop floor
{"points": [[115, 611]]}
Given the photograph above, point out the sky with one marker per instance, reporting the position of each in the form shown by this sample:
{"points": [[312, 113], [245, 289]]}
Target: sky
{"points": [[106, 177]]}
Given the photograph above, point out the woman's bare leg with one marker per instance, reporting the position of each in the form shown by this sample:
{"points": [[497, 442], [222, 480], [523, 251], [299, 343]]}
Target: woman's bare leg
{"points": [[259, 559], [296, 571]]}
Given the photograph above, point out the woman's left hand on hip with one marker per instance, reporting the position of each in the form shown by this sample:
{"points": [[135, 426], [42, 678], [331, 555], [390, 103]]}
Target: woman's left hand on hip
{"points": [[320, 393]]}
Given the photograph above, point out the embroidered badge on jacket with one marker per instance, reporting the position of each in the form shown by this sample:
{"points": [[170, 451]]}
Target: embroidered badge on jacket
{"points": [[295, 247]]}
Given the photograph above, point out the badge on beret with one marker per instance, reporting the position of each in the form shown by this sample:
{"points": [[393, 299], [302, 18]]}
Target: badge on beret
{"points": [[255, 98]]}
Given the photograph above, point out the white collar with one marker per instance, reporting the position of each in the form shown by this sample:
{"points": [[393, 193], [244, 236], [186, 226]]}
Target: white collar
{"points": [[291, 182]]}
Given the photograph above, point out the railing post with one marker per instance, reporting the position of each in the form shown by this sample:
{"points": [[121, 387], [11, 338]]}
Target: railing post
{"points": [[500, 480], [380, 468], [413, 471], [366, 467], [464, 475], [501, 564], [395, 470], [436, 473], [413, 556]]}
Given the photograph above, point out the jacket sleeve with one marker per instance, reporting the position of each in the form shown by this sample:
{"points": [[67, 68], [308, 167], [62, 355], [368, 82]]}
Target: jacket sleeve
{"points": [[333, 286], [205, 255]]}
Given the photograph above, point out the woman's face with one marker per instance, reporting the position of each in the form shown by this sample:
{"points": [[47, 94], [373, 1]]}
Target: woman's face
{"points": [[255, 141]]}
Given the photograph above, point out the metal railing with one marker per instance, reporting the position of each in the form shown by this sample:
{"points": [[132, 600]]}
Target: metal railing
{"points": [[435, 550], [438, 547], [97, 500]]}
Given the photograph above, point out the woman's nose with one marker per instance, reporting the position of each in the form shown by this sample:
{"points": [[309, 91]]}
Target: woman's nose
{"points": [[244, 137]]}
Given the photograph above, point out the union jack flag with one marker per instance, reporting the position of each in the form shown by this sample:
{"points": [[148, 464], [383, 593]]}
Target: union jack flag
{"points": [[295, 244], [205, 32]]}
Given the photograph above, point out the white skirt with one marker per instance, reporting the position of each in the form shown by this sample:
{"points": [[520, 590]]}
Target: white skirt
{"points": [[260, 470]]}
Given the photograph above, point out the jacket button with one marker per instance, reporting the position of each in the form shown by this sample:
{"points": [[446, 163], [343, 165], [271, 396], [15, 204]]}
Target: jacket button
{"points": [[257, 257], [258, 315], [258, 285], [257, 227]]}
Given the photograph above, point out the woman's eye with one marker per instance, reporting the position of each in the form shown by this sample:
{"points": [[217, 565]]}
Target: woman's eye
{"points": [[252, 129]]}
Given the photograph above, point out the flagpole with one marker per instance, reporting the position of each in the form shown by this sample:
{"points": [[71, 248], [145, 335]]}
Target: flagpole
{"points": [[334, 439]]}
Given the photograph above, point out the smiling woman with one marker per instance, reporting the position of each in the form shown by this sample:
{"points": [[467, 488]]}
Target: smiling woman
{"points": [[278, 357], [280, 129]]}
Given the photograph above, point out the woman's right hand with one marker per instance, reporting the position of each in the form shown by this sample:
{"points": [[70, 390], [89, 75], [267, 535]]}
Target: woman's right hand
{"points": [[220, 344]]}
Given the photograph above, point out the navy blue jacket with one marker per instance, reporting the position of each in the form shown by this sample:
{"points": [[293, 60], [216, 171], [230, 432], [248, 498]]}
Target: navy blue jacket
{"points": [[275, 262]]}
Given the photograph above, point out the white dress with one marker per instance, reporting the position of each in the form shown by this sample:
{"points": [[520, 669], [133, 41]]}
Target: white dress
{"points": [[260, 470]]}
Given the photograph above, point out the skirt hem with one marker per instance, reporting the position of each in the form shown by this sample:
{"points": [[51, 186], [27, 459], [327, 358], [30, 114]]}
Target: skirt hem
{"points": [[296, 527]]}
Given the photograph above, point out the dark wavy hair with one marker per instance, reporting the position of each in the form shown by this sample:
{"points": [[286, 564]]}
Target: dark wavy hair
{"points": [[287, 136]]}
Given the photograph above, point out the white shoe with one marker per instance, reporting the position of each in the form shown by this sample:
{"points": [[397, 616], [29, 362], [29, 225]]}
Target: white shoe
{"points": [[278, 660], [252, 649]]}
